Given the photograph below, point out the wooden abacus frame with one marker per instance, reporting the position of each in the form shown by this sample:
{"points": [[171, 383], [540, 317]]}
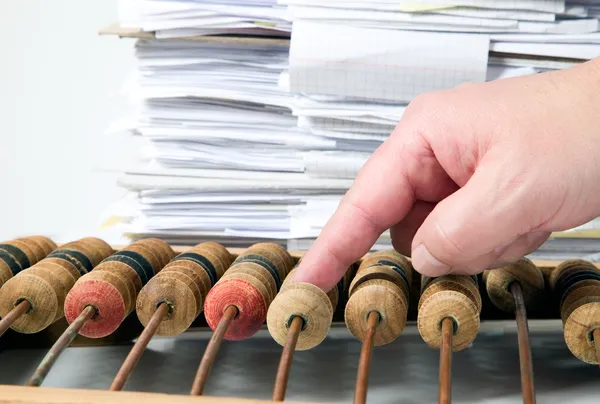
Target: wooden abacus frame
{"points": [[46, 395]]}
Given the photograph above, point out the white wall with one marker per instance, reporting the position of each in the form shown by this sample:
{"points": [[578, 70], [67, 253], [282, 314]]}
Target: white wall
{"points": [[59, 88]]}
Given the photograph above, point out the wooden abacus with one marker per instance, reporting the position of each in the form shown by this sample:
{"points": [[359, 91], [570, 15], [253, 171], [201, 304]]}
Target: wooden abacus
{"points": [[97, 291]]}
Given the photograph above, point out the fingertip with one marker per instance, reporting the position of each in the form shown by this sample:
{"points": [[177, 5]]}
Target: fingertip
{"points": [[426, 264]]}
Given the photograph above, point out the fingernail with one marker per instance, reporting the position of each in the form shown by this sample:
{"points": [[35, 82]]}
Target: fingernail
{"points": [[427, 264]]}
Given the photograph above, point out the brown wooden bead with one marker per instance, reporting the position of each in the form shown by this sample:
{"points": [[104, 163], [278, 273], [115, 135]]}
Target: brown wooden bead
{"points": [[58, 288], [458, 283], [40, 294], [161, 249], [448, 303], [568, 267], [5, 273], [99, 245], [177, 294], [33, 254], [45, 243], [578, 297], [301, 300], [525, 273], [379, 272], [578, 330], [383, 297], [388, 255]]}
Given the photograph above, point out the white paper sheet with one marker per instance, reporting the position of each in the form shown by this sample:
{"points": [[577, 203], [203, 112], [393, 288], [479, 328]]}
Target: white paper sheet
{"points": [[378, 64]]}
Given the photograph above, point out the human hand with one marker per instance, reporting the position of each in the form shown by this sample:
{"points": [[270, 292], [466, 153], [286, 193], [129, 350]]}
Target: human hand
{"points": [[473, 177]]}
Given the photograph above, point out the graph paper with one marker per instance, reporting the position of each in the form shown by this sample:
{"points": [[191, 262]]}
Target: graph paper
{"points": [[381, 64]]}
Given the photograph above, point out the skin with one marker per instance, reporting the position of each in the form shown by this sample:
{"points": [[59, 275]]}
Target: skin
{"points": [[473, 177]]}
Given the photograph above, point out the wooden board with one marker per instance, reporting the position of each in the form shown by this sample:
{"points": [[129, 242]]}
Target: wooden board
{"points": [[44, 395]]}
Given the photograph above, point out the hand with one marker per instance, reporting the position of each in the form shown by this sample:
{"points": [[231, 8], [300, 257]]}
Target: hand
{"points": [[473, 177]]}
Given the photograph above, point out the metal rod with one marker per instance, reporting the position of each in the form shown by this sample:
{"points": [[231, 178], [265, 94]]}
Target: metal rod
{"points": [[59, 346], [212, 349], [446, 361], [596, 336], [362, 378], [13, 315], [285, 363], [138, 348], [525, 360]]}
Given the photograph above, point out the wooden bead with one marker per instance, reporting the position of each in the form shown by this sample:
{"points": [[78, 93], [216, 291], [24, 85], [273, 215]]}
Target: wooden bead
{"points": [[44, 242], [383, 297], [247, 294], [525, 273], [161, 250], [112, 287], [448, 303], [174, 290], [389, 258], [183, 284], [450, 296], [382, 284], [301, 300], [457, 283], [107, 294], [45, 284], [38, 292], [250, 284], [578, 330]]}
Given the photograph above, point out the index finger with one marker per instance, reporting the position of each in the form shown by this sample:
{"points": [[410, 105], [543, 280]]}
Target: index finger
{"points": [[380, 197]]}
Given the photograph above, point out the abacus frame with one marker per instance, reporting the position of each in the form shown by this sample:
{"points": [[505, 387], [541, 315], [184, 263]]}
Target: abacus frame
{"points": [[48, 395]]}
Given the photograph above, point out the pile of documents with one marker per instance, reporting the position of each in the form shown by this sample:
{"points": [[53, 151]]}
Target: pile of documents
{"points": [[253, 136]]}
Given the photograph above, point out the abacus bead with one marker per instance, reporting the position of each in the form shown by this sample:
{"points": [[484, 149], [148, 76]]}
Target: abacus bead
{"points": [[177, 294], [5, 272], [525, 273], [46, 243], [246, 295], [383, 297], [105, 295], [447, 303], [578, 329], [39, 293], [304, 300]]}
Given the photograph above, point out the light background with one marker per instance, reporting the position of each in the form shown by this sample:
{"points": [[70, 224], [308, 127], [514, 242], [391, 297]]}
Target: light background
{"points": [[60, 85]]}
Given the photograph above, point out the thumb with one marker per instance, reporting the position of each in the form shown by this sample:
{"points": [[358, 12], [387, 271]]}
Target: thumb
{"points": [[469, 230]]}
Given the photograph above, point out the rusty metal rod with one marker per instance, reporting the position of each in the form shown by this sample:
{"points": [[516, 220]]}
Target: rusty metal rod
{"points": [[285, 363], [138, 348], [13, 315], [446, 361], [596, 336], [526, 362], [59, 346], [212, 349], [364, 363]]}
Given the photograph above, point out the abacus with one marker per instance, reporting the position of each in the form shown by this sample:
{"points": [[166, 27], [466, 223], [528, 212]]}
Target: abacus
{"points": [[88, 293]]}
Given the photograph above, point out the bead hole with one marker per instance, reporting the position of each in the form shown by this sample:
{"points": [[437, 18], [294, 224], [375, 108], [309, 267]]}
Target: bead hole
{"points": [[21, 300], [292, 317], [454, 324]]}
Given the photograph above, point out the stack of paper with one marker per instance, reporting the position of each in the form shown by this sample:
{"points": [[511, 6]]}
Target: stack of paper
{"points": [[258, 138], [187, 18]]}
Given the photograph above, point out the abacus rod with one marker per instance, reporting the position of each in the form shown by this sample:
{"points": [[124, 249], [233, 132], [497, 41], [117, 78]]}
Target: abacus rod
{"points": [[285, 363], [596, 336], [13, 315], [212, 349], [138, 348], [59, 346], [362, 378], [524, 346], [446, 361]]}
